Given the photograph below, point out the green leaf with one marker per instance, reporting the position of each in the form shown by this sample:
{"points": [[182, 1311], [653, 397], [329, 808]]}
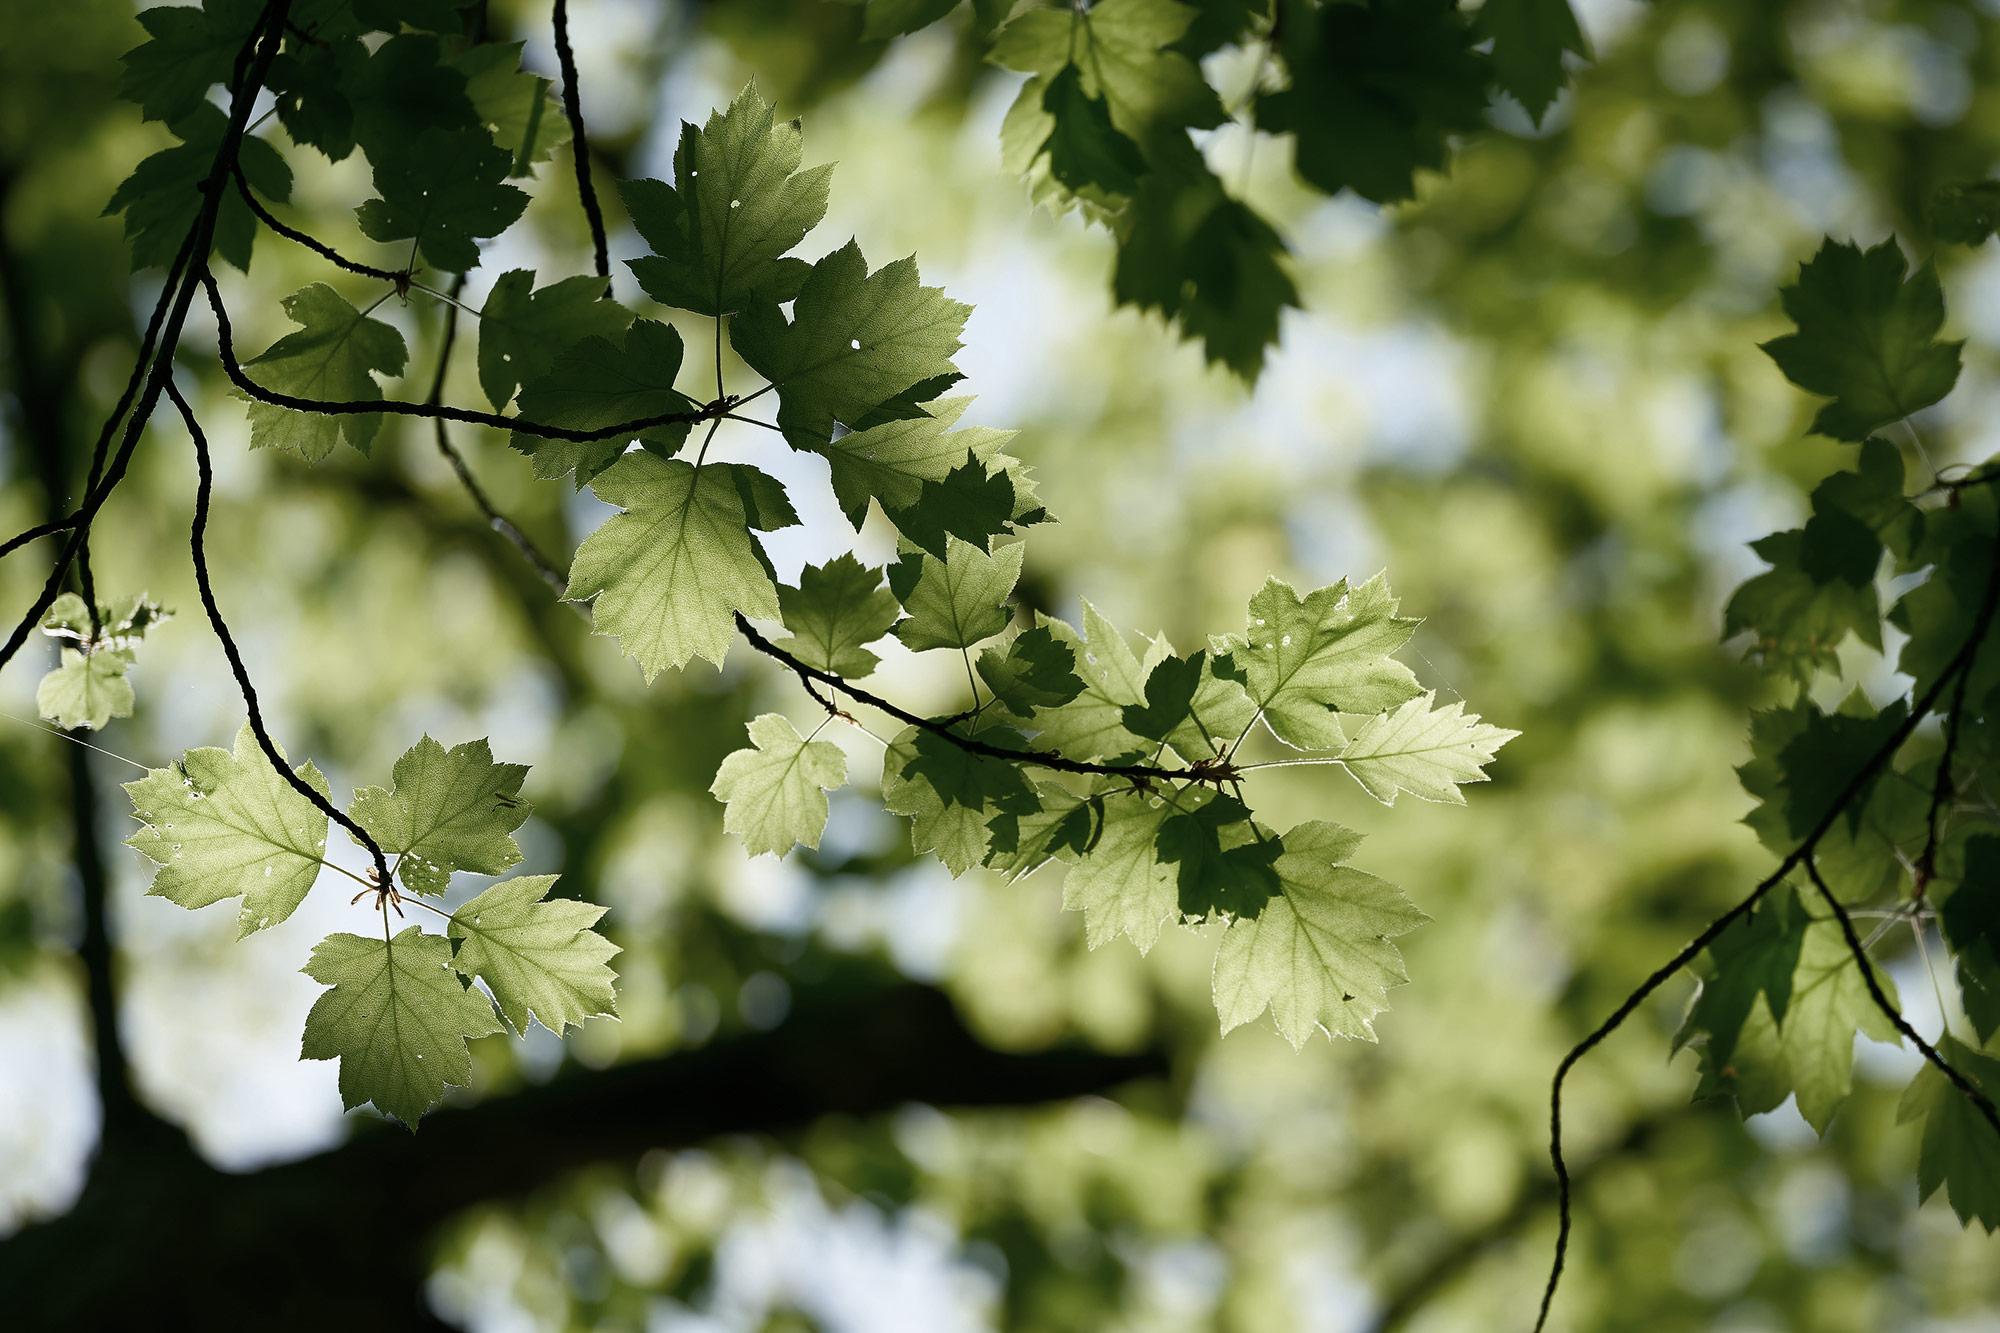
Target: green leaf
{"points": [[86, 690], [162, 196], [518, 108], [1819, 762], [855, 341], [444, 192], [1970, 920], [1221, 712], [1320, 955], [1064, 825], [957, 601], [334, 354], [891, 462], [539, 957], [1122, 885], [721, 232], [1965, 212], [1123, 51], [1530, 38], [1377, 90], [191, 49], [1424, 750], [599, 383], [1204, 260], [1867, 338], [883, 19], [311, 86], [1092, 725], [836, 611], [1035, 671], [1170, 693], [968, 504], [1756, 956], [774, 794], [1960, 1153], [120, 624], [397, 1018], [1223, 861], [1304, 659], [951, 794], [224, 824], [522, 331], [1086, 151], [402, 91], [448, 810], [670, 573]]}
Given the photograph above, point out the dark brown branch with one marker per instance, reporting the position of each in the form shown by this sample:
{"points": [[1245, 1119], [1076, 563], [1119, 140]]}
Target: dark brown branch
{"points": [[1888, 1007], [398, 276], [225, 335], [1213, 771], [198, 549], [579, 141], [1961, 661]]}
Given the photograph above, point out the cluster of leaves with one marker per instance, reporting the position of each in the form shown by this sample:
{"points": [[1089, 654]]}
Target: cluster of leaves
{"points": [[1914, 849], [1371, 92], [88, 688], [225, 824], [1144, 798]]}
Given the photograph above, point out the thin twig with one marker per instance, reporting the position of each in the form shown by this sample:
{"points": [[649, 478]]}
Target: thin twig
{"points": [[312, 243], [579, 141]]}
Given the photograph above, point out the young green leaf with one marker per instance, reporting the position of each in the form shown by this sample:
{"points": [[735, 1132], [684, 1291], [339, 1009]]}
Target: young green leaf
{"points": [[891, 462], [1305, 659], [1092, 725], [1867, 338], [224, 824], [838, 609], [1424, 750], [443, 192], [957, 601], [397, 1018], [1123, 53], [1122, 885], [720, 233], [1320, 955], [774, 794], [335, 354], [1222, 859], [539, 956], [448, 810], [950, 794], [968, 504], [670, 573], [86, 690], [518, 108], [856, 341]]}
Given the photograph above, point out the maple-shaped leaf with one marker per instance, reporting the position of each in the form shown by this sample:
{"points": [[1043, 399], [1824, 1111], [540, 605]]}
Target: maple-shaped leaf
{"points": [[1530, 39], [86, 690], [1970, 920], [404, 89], [1321, 954], [1306, 659], [671, 571], [1170, 691], [1034, 671], [720, 234], [837, 610], [599, 383], [1821, 760], [774, 793], [969, 504], [448, 810], [1377, 90], [891, 462], [1221, 710], [311, 84], [1809, 1054], [1222, 860], [189, 49], [335, 354], [1122, 885], [1867, 337], [1087, 152], [1959, 1152], [1092, 725], [951, 794], [163, 195], [1064, 825], [957, 601], [1756, 956], [518, 108], [443, 192], [538, 955], [1206, 261], [856, 340], [397, 1018], [119, 624], [1122, 52], [522, 331], [1424, 750], [224, 824]]}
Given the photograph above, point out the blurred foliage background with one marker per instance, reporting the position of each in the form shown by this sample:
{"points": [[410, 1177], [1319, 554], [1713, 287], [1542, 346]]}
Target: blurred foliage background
{"points": [[1533, 396]]}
